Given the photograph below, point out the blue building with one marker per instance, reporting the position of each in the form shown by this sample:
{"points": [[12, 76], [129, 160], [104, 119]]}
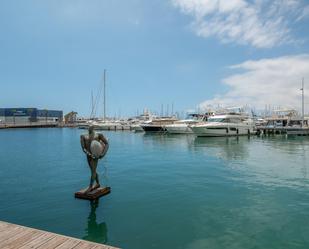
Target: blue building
{"points": [[29, 115]]}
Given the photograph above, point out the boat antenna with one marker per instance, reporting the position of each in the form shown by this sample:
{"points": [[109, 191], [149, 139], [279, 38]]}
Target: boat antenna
{"points": [[303, 102], [104, 95], [162, 110], [92, 105]]}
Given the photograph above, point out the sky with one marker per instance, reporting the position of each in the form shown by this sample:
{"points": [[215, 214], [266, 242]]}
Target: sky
{"points": [[185, 54]]}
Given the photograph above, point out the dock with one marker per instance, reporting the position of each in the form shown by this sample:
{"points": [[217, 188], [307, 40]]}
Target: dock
{"points": [[34, 125], [295, 131], [21, 237], [37, 125]]}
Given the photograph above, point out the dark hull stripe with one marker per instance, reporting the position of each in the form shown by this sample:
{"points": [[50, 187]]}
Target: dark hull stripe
{"points": [[153, 129]]}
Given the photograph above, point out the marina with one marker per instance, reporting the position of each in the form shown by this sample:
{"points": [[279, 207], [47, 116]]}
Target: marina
{"points": [[216, 124], [216, 192], [178, 124]]}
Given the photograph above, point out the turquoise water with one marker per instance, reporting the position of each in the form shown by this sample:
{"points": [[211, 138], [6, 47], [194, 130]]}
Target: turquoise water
{"points": [[167, 191]]}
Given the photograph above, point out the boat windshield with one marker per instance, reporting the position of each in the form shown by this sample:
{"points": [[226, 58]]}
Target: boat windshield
{"points": [[220, 120]]}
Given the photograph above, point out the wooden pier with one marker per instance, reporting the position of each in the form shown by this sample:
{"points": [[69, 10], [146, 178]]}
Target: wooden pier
{"points": [[16, 236]]}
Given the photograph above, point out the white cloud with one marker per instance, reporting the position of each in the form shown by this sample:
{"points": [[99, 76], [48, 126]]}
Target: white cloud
{"points": [[304, 14], [275, 82], [259, 23]]}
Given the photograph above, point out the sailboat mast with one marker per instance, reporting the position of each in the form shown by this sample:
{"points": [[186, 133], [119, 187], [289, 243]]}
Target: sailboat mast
{"points": [[104, 95], [92, 105], [303, 102]]}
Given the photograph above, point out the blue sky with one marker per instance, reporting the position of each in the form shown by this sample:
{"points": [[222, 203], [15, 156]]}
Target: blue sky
{"points": [[186, 52]]}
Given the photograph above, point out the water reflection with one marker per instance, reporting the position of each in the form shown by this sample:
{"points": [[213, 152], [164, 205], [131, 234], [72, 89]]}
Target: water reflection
{"points": [[270, 161], [288, 145], [167, 139], [95, 231], [222, 147], [276, 160]]}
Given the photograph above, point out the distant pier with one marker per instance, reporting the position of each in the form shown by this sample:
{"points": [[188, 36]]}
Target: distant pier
{"points": [[298, 131], [37, 125], [16, 236], [34, 125]]}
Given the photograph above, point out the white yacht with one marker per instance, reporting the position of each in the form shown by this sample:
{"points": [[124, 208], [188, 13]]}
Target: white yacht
{"points": [[158, 124], [137, 128], [184, 126], [230, 124], [181, 126], [136, 122], [107, 125]]}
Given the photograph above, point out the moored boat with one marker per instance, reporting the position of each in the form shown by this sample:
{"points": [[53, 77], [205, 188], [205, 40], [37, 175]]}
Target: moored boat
{"points": [[137, 128], [158, 124], [231, 124], [183, 126], [180, 127]]}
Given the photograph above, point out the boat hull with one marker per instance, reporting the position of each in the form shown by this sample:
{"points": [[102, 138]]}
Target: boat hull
{"points": [[137, 128], [222, 131], [178, 129], [153, 128]]}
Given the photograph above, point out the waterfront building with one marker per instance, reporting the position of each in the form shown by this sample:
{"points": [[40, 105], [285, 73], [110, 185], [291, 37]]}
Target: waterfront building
{"points": [[24, 116], [70, 118]]}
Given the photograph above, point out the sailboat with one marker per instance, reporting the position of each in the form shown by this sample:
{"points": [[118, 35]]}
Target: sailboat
{"points": [[302, 128]]}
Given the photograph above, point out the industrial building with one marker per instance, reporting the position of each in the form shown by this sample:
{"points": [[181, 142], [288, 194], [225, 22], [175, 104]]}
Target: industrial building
{"points": [[25, 116]]}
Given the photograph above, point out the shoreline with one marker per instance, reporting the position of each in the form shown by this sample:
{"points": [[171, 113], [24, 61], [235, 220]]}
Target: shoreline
{"points": [[18, 126]]}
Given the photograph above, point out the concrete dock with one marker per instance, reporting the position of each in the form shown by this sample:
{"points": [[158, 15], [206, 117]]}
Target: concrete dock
{"points": [[16, 236], [11, 126], [298, 131]]}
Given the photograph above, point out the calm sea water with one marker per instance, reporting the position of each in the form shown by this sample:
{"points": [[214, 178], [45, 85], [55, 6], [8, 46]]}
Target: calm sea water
{"points": [[167, 191]]}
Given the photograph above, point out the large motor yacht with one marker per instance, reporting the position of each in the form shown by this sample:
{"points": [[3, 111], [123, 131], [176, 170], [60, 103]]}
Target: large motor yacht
{"points": [[158, 124], [231, 124], [183, 126]]}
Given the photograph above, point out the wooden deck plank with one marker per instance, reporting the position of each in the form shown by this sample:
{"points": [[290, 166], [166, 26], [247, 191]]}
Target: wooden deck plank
{"points": [[18, 242], [5, 226], [69, 244], [107, 247], [15, 236], [53, 243], [5, 231], [10, 233], [41, 239], [84, 245], [27, 244]]}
